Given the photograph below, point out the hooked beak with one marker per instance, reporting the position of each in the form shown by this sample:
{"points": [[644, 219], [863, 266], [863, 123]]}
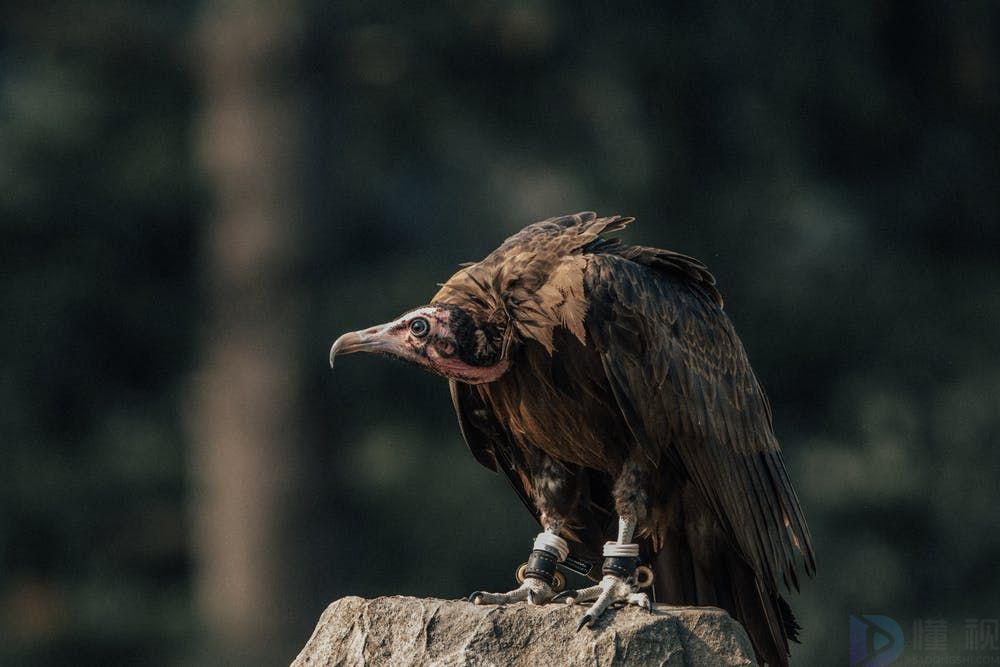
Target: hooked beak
{"points": [[368, 340]]}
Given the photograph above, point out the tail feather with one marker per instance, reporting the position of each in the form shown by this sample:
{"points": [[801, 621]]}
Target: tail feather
{"points": [[791, 625], [759, 612], [727, 581]]}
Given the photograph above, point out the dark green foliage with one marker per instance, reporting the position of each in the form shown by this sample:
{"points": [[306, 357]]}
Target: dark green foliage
{"points": [[97, 257]]}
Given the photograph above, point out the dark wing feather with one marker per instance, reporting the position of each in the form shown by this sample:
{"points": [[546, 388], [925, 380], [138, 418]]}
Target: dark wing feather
{"points": [[488, 439], [479, 432], [686, 389], [493, 447]]}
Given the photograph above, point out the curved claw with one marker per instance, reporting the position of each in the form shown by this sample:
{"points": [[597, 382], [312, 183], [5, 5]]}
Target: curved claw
{"points": [[611, 593], [476, 597], [586, 620], [568, 596]]}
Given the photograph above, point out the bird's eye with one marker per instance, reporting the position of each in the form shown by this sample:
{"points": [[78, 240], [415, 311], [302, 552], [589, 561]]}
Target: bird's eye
{"points": [[420, 327]]}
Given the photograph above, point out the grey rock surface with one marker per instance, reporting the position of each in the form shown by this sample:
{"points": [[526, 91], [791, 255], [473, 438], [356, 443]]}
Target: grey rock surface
{"points": [[445, 633]]}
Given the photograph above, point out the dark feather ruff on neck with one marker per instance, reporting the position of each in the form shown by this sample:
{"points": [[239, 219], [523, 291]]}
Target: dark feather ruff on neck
{"points": [[479, 345]]}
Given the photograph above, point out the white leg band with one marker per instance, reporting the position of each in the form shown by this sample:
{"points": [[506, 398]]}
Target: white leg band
{"points": [[554, 544], [612, 549]]}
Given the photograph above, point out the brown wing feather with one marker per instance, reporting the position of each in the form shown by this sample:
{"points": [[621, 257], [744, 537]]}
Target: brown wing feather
{"points": [[488, 439], [682, 379], [475, 424], [532, 283], [493, 447]]}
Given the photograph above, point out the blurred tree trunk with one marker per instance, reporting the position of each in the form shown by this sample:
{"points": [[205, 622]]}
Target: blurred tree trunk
{"points": [[246, 413]]}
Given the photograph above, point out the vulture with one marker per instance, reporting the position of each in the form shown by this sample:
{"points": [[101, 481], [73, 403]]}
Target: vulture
{"points": [[605, 381]]}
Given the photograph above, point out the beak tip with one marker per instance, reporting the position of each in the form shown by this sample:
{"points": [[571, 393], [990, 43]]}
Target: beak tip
{"points": [[346, 344]]}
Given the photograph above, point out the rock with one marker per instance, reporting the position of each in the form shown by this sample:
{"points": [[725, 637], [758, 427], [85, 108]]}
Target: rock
{"points": [[445, 633]]}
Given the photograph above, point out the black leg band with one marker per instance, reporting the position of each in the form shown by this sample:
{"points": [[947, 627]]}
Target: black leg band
{"points": [[621, 566], [541, 565]]}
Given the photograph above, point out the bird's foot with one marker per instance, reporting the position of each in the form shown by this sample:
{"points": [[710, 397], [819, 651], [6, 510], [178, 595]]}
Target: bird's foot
{"points": [[612, 590], [535, 591]]}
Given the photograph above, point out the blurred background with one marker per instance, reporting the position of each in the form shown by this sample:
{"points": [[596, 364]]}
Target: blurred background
{"points": [[196, 198]]}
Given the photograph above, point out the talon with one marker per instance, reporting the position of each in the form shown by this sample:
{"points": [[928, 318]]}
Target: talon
{"points": [[569, 596], [531, 597], [476, 597], [586, 620]]}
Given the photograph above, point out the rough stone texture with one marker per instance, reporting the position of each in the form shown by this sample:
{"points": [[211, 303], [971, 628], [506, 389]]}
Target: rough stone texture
{"points": [[412, 631]]}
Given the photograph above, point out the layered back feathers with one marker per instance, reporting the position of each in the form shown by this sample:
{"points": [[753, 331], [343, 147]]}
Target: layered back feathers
{"points": [[533, 282]]}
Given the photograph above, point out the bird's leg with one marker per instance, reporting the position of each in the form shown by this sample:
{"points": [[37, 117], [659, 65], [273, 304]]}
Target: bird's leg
{"points": [[620, 558], [548, 550], [618, 583], [555, 495]]}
